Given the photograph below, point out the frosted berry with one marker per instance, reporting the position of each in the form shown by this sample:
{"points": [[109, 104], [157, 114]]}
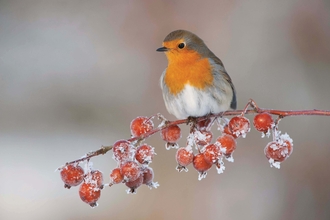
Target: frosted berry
{"points": [[89, 193], [148, 176], [133, 185], [276, 151], [211, 153], [279, 150], [96, 178], [227, 131], [171, 134], [144, 154], [116, 176], [130, 170], [202, 138], [200, 164], [227, 143], [239, 126], [141, 125], [183, 157], [72, 175], [122, 150], [263, 122]]}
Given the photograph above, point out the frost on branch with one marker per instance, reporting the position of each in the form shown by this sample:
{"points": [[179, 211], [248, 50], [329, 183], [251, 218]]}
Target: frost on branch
{"points": [[134, 157]]}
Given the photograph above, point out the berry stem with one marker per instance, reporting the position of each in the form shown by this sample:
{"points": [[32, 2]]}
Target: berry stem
{"points": [[255, 109]]}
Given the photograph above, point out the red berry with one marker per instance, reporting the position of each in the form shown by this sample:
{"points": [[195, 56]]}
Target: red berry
{"points": [[141, 125], [148, 176], [263, 122], [275, 151], [239, 126], [72, 175], [184, 157], [144, 154], [211, 153], [133, 185], [171, 134], [130, 170], [200, 164], [89, 193], [116, 176], [227, 131], [202, 138], [122, 150], [228, 143], [278, 151], [96, 178]]}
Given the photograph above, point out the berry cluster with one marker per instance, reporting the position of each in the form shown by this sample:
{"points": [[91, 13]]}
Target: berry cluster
{"points": [[281, 147], [133, 156], [209, 153], [92, 182], [133, 159]]}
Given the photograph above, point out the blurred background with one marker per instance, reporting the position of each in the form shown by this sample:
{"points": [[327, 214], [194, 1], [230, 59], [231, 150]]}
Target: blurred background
{"points": [[73, 74]]}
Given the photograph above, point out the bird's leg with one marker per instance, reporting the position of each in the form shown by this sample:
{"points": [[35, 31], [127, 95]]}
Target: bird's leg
{"points": [[192, 121]]}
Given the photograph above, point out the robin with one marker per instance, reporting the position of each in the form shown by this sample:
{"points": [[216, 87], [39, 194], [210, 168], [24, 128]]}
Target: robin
{"points": [[195, 82]]}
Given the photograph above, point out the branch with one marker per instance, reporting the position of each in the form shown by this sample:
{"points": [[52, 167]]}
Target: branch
{"points": [[251, 103], [133, 156]]}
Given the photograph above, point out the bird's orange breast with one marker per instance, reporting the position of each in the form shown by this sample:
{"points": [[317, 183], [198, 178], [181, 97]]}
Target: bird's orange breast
{"points": [[187, 68]]}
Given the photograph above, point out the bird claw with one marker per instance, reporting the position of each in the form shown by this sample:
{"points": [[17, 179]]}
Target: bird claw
{"points": [[192, 121]]}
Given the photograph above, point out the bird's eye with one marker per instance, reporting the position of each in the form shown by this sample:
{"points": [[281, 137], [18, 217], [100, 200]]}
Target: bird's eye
{"points": [[181, 45]]}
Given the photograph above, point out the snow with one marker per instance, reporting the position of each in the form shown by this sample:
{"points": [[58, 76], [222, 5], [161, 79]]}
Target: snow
{"points": [[153, 185], [200, 136], [286, 137], [230, 159], [222, 149], [274, 164], [190, 140], [202, 175], [275, 146], [220, 167]]}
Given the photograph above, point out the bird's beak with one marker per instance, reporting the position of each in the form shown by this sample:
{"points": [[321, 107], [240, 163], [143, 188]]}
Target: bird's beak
{"points": [[162, 49]]}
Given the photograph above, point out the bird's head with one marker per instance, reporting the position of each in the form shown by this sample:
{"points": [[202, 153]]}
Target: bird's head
{"points": [[181, 45]]}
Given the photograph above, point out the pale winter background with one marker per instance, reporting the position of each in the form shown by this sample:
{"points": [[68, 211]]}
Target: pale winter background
{"points": [[74, 73]]}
